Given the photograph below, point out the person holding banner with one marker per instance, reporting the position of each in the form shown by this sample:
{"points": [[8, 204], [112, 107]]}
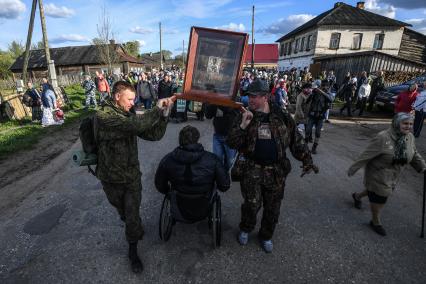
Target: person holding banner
{"points": [[116, 130], [384, 159], [263, 133]]}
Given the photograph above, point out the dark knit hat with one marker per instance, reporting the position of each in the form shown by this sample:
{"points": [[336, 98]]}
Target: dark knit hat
{"points": [[188, 135]]}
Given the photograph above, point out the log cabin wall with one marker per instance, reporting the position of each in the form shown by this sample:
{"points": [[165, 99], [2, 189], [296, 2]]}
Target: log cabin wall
{"points": [[413, 46]]}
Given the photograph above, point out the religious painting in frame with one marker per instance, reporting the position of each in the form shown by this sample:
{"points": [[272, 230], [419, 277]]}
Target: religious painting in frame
{"points": [[214, 65]]}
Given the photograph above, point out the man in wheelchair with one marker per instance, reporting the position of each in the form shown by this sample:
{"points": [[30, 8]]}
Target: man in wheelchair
{"points": [[190, 176]]}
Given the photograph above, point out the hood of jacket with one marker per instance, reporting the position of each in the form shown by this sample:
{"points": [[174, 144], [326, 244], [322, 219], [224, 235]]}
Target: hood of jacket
{"points": [[188, 154]]}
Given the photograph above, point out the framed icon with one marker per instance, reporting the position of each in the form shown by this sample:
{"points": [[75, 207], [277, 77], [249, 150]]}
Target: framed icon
{"points": [[214, 65]]}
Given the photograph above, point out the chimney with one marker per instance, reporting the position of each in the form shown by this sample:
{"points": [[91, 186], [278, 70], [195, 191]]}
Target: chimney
{"points": [[112, 41], [360, 5], [337, 4]]}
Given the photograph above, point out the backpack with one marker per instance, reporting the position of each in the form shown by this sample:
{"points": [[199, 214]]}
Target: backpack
{"points": [[88, 142], [26, 100]]}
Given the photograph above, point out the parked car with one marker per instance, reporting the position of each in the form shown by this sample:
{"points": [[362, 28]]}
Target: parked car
{"points": [[386, 99]]}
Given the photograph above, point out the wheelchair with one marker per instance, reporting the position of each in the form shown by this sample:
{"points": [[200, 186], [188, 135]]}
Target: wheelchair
{"points": [[191, 208]]}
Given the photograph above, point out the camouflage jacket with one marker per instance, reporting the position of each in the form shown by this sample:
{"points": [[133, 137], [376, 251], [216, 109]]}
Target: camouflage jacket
{"points": [[283, 130], [115, 133], [89, 87]]}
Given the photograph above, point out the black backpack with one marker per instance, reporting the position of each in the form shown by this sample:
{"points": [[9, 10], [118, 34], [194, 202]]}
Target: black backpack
{"points": [[87, 138], [26, 99]]}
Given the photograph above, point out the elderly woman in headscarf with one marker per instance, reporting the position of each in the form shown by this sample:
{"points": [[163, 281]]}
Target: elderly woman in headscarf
{"points": [[48, 100], [384, 159]]}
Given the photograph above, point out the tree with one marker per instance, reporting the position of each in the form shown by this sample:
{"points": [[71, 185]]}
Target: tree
{"points": [[132, 48], [38, 45], [16, 49], [106, 49], [6, 60], [178, 60]]}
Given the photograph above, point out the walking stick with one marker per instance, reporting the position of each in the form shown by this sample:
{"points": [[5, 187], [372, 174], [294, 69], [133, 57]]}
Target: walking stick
{"points": [[422, 234]]}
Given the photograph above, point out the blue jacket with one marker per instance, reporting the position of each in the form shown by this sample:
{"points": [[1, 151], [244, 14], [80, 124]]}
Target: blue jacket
{"points": [[280, 94], [48, 98]]}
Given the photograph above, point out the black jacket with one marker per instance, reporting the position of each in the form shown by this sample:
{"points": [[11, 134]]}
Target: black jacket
{"points": [[191, 169], [165, 89], [223, 118], [319, 101]]}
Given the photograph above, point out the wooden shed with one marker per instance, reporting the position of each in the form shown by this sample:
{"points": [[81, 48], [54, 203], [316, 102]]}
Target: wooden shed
{"points": [[73, 60], [369, 61]]}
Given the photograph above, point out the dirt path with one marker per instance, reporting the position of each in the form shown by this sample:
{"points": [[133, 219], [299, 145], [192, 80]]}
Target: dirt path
{"points": [[16, 166]]}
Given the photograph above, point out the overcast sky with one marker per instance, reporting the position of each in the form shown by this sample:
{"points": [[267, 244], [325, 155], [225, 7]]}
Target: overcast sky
{"points": [[73, 22]]}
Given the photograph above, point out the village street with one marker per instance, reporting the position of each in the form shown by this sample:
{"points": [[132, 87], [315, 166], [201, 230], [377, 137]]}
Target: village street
{"points": [[61, 228]]}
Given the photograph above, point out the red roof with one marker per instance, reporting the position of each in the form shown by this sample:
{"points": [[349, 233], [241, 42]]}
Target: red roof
{"points": [[263, 53]]}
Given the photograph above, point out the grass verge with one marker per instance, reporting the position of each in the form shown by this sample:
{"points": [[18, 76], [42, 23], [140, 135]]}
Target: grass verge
{"points": [[18, 135]]}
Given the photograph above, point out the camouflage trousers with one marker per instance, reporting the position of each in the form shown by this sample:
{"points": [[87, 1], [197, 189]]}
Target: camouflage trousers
{"points": [[261, 186], [90, 99], [126, 198]]}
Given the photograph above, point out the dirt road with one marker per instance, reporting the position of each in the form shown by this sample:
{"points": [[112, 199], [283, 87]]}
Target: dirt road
{"points": [[56, 226]]}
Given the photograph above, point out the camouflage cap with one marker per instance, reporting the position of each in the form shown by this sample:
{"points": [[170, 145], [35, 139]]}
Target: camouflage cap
{"points": [[188, 135], [258, 88]]}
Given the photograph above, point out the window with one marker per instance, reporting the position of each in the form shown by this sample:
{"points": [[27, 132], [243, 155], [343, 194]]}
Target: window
{"points": [[289, 47], [282, 49], [378, 41], [335, 41], [309, 43], [357, 39], [296, 46], [302, 44]]}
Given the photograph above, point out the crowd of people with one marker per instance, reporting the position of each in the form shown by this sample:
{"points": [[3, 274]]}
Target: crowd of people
{"points": [[45, 108], [250, 143]]}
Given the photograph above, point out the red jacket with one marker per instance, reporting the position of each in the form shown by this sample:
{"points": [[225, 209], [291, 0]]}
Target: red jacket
{"points": [[405, 101], [103, 85]]}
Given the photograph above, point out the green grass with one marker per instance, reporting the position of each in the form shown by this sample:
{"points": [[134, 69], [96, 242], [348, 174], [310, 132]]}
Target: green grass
{"points": [[17, 135]]}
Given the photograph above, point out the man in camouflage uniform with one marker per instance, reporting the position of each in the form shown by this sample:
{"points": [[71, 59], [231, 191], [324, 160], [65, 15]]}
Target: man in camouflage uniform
{"points": [[116, 130], [90, 91], [263, 134]]}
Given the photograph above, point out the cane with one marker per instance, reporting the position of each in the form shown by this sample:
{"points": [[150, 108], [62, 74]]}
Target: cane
{"points": [[422, 234]]}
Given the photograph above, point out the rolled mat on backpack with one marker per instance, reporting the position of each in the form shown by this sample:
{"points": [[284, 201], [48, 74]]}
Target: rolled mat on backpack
{"points": [[80, 158]]}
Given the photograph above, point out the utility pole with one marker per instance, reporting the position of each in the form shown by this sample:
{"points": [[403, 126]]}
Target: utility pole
{"points": [[50, 63], [183, 53], [252, 39], [161, 51], [28, 45]]}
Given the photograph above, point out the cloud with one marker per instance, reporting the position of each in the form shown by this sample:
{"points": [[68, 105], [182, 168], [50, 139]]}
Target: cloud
{"points": [[233, 27], [54, 11], [139, 30], [283, 26], [418, 24], [199, 9], [69, 38], [11, 9], [142, 43], [406, 4], [386, 10]]}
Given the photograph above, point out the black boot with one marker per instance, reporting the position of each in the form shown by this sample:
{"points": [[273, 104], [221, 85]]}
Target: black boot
{"points": [[135, 261], [314, 148]]}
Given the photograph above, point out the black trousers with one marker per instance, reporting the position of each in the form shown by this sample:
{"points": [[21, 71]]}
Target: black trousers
{"points": [[361, 104], [418, 122], [348, 106]]}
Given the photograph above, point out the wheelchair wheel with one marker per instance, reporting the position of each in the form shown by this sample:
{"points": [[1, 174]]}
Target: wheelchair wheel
{"points": [[217, 222], [166, 220]]}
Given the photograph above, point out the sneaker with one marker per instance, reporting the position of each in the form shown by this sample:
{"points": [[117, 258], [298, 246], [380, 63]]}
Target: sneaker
{"points": [[378, 229], [267, 245], [243, 238], [357, 202]]}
